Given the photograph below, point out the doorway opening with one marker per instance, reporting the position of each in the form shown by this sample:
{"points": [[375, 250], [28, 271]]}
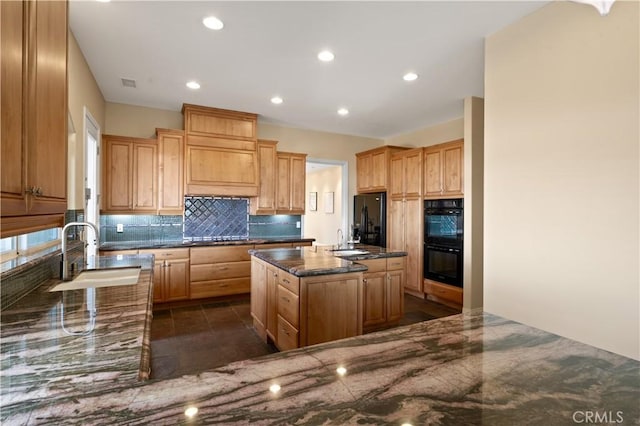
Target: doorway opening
{"points": [[327, 206], [91, 182]]}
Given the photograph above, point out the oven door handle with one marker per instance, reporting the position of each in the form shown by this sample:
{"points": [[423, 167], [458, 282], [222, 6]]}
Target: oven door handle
{"points": [[444, 249]]}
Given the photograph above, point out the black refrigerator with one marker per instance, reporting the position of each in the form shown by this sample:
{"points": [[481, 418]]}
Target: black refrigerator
{"points": [[370, 218]]}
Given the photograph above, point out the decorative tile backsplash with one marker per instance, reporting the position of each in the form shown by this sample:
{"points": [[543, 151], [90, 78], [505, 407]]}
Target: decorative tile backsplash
{"points": [[216, 218], [205, 218]]}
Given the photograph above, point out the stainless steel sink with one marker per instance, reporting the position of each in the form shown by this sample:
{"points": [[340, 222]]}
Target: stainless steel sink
{"points": [[94, 278], [339, 253]]}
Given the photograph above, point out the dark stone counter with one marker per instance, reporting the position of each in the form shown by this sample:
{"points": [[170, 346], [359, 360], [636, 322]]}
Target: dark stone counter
{"points": [[313, 261], [153, 244]]}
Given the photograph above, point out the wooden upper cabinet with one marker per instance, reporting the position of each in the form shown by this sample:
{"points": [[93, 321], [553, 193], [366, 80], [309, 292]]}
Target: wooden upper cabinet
{"points": [[372, 168], [221, 152], [171, 171], [405, 179], [444, 170], [290, 183], [265, 203], [34, 115], [218, 122], [130, 175]]}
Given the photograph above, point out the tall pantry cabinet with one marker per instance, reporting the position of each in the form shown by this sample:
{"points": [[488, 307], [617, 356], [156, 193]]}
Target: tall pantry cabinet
{"points": [[406, 212], [34, 115]]}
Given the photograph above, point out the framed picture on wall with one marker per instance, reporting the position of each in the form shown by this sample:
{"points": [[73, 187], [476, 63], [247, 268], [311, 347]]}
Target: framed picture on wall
{"points": [[313, 201], [328, 202]]}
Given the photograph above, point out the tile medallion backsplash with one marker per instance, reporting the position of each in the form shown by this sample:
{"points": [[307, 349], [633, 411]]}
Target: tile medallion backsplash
{"points": [[216, 218]]}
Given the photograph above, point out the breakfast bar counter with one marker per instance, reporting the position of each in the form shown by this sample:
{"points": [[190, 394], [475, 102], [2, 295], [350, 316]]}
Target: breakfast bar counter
{"points": [[467, 369]]}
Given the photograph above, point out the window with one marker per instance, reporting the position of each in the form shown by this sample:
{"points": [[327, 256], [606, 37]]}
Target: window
{"points": [[28, 244]]}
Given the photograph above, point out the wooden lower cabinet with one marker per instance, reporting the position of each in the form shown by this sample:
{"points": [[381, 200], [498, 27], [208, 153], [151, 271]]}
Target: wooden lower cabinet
{"points": [[443, 293], [383, 292], [294, 312], [220, 271], [170, 274]]}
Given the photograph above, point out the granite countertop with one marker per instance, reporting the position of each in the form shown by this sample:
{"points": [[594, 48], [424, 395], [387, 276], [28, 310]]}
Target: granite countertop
{"points": [[151, 244], [41, 363], [467, 369], [316, 260]]}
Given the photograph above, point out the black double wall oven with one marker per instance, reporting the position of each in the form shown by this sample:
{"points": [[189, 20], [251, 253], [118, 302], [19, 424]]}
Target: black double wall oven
{"points": [[443, 240]]}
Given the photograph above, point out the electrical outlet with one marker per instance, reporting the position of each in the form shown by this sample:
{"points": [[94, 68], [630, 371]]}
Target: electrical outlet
{"points": [[298, 224], [119, 227]]}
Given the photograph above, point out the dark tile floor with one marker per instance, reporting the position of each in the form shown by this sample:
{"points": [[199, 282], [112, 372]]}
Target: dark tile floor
{"points": [[189, 337]]}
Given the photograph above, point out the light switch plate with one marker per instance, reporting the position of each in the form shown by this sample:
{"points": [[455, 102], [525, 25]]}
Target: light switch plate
{"points": [[298, 224]]}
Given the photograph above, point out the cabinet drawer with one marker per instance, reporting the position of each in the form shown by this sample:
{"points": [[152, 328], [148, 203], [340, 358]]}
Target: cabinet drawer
{"points": [[117, 252], [444, 291], [219, 271], [374, 265], [395, 263], [168, 254], [288, 305], [288, 281], [217, 288], [287, 335], [203, 255]]}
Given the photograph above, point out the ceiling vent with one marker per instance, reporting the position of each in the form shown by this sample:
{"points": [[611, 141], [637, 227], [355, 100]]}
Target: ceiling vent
{"points": [[127, 82]]}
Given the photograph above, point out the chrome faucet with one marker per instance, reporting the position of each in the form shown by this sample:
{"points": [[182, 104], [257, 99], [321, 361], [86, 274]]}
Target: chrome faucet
{"points": [[65, 261], [340, 238]]}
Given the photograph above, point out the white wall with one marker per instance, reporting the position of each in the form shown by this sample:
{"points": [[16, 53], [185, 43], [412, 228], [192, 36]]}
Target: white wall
{"points": [[561, 174], [318, 224]]}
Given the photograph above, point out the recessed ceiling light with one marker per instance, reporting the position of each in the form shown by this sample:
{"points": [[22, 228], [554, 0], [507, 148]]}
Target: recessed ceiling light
{"points": [[326, 56], [213, 23], [276, 100], [343, 111], [193, 85], [103, 1], [410, 76]]}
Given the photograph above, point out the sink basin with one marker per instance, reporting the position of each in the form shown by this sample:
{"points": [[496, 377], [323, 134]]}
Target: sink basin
{"points": [[94, 278], [339, 253]]}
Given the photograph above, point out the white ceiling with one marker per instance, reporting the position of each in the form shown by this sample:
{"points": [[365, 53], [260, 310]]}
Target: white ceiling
{"points": [[269, 48]]}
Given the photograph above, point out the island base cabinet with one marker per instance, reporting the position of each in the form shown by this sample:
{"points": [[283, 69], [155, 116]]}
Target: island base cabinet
{"points": [[287, 335], [331, 308]]}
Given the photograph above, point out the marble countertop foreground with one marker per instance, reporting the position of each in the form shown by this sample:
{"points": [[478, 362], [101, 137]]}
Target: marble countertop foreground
{"points": [[467, 369], [316, 260]]}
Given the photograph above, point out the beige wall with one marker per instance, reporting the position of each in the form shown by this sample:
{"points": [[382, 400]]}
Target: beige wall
{"points": [[473, 202], [444, 132], [318, 224], [83, 91], [561, 174], [140, 122], [320, 145]]}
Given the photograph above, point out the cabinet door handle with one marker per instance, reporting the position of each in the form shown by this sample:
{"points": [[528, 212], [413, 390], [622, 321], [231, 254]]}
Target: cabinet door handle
{"points": [[285, 299], [285, 332]]}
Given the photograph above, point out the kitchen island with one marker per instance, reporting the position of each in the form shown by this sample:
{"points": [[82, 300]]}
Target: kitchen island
{"points": [[312, 295]]}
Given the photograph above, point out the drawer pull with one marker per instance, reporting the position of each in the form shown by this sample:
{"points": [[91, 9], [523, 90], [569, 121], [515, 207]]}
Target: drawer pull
{"points": [[286, 281]]}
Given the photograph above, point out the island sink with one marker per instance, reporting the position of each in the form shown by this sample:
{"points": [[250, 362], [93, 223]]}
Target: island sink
{"points": [[93, 278], [348, 252]]}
